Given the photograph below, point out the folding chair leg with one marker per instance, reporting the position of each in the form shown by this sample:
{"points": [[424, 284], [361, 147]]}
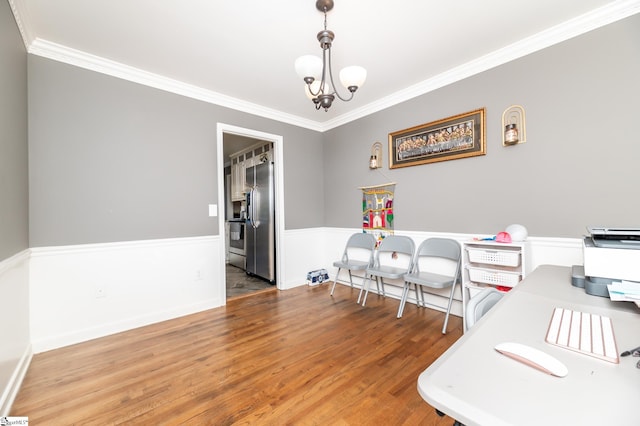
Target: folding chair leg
{"points": [[419, 296], [366, 293], [403, 299], [350, 278], [446, 317], [334, 282], [365, 286]]}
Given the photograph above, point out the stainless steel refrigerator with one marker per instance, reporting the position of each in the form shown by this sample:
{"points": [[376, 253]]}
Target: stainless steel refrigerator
{"points": [[260, 225]]}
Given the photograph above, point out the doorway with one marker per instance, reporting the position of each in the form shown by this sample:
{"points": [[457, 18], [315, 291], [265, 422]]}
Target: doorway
{"points": [[232, 140]]}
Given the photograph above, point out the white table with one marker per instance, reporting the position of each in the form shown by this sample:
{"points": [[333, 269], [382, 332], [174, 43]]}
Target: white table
{"points": [[476, 385]]}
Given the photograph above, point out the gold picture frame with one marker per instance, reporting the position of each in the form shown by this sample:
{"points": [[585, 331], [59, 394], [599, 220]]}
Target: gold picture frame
{"points": [[460, 136]]}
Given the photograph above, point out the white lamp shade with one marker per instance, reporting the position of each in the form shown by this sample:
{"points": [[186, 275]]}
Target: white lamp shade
{"points": [[353, 76], [309, 66]]}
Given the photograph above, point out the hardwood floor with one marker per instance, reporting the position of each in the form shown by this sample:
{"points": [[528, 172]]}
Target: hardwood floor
{"points": [[283, 357]]}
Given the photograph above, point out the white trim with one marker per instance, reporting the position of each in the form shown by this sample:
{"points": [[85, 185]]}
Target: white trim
{"points": [[81, 59], [22, 21], [83, 292], [152, 281], [604, 15], [37, 252], [15, 352], [541, 250], [95, 331], [278, 160], [14, 260], [15, 382], [589, 21]]}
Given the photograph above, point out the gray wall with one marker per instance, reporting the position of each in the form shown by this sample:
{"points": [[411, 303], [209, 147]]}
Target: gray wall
{"points": [[14, 207], [112, 160], [579, 166]]}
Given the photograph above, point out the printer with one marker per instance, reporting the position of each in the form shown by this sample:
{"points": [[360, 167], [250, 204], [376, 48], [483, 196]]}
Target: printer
{"points": [[624, 238], [609, 254]]}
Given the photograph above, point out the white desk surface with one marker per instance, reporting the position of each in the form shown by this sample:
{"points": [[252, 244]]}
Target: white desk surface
{"points": [[476, 385]]}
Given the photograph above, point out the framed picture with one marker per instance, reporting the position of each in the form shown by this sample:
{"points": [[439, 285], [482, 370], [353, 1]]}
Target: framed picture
{"points": [[451, 138]]}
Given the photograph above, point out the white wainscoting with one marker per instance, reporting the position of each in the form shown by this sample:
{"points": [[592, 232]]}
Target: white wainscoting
{"points": [[553, 251], [87, 291], [15, 346], [305, 250]]}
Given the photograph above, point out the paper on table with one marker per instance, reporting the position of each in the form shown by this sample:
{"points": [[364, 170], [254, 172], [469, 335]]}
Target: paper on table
{"points": [[624, 291]]}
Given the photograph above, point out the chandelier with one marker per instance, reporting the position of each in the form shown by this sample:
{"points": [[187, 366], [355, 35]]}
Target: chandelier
{"points": [[317, 73]]}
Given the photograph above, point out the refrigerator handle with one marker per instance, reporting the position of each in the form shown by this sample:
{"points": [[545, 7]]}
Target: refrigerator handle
{"points": [[254, 210], [251, 208], [247, 197]]}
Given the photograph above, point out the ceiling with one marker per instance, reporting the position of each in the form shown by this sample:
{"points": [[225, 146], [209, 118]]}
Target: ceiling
{"points": [[232, 144], [240, 53]]}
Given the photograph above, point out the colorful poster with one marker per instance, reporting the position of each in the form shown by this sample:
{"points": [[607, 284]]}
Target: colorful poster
{"points": [[377, 210]]}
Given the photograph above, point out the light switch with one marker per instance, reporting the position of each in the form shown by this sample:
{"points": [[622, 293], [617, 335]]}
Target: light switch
{"points": [[213, 210]]}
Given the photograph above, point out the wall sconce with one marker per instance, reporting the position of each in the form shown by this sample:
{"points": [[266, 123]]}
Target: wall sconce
{"points": [[514, 125], [375, 162]]}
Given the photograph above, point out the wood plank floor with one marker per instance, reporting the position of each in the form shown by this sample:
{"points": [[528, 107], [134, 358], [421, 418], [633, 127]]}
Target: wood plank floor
{"points": [[281, 357]]}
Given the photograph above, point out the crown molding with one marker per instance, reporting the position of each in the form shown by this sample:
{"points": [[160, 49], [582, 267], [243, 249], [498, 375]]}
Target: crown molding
{"points": [[21, 17], [610, 13], [569, 29], [98, 64]]}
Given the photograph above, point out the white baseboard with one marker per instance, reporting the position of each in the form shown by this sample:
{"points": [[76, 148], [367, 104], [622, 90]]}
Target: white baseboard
{"points": [[13, 386], [84, 292], [553, 251], [15, 348], [94, 331], [305, 251]]}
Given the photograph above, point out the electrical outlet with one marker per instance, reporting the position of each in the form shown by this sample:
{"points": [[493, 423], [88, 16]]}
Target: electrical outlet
{"points": [[198, 275]]}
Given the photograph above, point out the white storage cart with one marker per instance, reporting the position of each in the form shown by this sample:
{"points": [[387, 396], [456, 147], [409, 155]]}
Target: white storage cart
{"points": [[491, 264]]}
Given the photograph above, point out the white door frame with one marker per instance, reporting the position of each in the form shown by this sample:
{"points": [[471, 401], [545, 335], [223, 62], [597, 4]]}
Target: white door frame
{"points": [[279, 201]]}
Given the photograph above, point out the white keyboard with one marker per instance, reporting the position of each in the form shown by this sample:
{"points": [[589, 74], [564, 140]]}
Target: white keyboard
{"points": [[582, 332]]}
